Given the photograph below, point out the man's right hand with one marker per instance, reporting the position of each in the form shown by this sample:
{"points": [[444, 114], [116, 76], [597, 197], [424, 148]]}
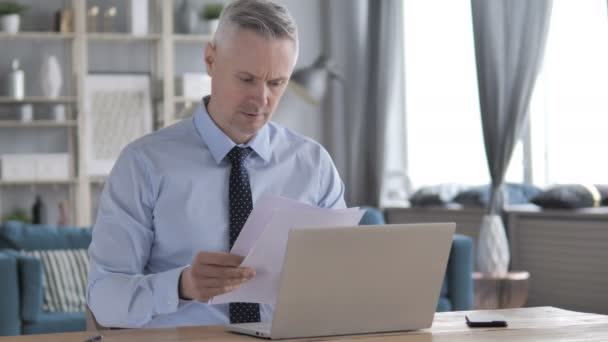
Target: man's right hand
{"points": [[212, 274]]}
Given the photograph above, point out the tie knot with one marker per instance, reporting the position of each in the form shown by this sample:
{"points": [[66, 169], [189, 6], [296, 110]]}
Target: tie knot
{"points": [[238, 154]]}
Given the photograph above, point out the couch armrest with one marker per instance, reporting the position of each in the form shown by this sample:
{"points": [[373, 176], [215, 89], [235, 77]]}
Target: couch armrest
{"points": [[10, 320], [460, 273], [31, 274]]}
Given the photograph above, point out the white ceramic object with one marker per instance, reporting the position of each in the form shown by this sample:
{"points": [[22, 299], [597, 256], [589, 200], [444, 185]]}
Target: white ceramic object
{"points": [[50, 77], [58, 113], [26, 113], [16, 81], [138, 13], [210, 26], [10, 23], [492, 248]]}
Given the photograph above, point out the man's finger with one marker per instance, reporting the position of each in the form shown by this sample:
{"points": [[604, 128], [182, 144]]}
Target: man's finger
{"points": [[221, 282], [218, 258], [216, 291], [212, 271]]}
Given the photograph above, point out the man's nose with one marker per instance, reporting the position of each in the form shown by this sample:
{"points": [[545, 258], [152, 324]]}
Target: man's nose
{"points": [[260, 94]]}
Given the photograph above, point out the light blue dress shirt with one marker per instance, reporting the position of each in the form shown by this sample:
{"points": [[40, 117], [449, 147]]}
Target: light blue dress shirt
{"points": [[166, 199]]}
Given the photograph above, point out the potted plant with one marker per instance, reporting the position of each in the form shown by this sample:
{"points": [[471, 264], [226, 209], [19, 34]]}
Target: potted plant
{"points": [[9, 16], [210, 15]]}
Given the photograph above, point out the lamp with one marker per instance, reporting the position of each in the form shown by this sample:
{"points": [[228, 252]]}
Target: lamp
{"points": [[311, 82]]}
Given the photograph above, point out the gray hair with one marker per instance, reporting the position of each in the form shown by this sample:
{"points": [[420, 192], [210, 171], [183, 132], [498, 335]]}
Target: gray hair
{"points": [[262, 16]]}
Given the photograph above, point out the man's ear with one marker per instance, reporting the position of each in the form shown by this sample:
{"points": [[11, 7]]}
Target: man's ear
{"points": [[210, 57]]}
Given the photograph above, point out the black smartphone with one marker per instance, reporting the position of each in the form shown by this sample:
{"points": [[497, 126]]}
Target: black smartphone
{"points": [[480, 320]]}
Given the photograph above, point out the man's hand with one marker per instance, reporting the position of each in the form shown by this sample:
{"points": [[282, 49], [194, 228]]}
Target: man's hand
{"points": [[212, 274]]}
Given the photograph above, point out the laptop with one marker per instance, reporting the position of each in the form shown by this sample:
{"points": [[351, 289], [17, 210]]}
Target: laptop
{"points": [[358, 280]]}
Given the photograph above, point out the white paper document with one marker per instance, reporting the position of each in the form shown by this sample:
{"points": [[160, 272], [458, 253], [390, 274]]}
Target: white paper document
{"points": [[263, 241]]}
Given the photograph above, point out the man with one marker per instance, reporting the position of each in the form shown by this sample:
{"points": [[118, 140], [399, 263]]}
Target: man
{"points": [[176, 199]]}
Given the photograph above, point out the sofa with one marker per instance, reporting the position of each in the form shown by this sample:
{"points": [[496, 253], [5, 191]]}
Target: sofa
{"points": [[457, 289], [21, 292]]}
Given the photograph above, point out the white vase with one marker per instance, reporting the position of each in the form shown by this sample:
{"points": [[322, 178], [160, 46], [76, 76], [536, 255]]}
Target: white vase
{"points": [[138, 13], [210, 26], [50, 77], [10, 23], [492, 247]]}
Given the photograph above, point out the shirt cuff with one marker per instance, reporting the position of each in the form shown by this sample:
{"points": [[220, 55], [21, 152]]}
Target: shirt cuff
{"points": [[166, 291]]}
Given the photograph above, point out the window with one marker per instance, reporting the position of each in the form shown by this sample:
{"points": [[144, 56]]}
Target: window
{"points": [[444, 133], [569, 107]]}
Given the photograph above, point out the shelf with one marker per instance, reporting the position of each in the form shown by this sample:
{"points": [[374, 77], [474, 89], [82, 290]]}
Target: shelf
{"points": [[99, 180], [36, 36], [192, 38], [37, 99], [122, 37], [186, 100], [38, 182], [36, 124]]}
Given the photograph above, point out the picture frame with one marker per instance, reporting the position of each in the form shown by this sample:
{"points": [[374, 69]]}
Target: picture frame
{"points": [[117, 110]]}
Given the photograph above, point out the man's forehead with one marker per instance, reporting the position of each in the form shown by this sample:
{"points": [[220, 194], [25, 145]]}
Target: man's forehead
{"points": [[270, 76], [244, 38], [260, 56]]}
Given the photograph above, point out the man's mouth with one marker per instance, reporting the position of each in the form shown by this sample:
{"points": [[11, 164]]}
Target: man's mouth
{"points": [[251, 114]]}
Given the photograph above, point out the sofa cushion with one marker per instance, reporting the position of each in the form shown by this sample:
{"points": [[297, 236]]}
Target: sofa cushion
{"points": [[64, 281], [372, 216], [56, 322], [444, 304], [23, 236]]}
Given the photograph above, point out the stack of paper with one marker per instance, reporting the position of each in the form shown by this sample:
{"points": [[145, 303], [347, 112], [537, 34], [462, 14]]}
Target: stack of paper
{"points": [[264, 238]]}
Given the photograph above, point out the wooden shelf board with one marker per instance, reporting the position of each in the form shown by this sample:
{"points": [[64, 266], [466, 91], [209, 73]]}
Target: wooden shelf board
{"points": [[37, 99], [36, 124], [36, 36]]}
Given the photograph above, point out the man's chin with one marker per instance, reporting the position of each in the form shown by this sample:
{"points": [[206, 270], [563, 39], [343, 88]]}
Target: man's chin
{"points": [[252, 128]]}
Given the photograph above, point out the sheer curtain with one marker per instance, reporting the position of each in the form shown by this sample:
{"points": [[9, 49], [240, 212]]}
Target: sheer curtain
{"points": [[364, 38]]}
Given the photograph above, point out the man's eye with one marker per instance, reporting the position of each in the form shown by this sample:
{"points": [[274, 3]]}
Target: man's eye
{"points": [[276, 83], [247, 80]]}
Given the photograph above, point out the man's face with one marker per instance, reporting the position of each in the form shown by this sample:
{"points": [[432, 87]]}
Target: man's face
{"points": [[249, 75]]}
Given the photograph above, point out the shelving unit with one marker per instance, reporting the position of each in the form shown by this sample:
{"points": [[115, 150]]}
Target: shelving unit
{"points": [[37, 124], [71, 181], [38, 100], [191, 38], [37, 36], [164, 41], [122, 37]]}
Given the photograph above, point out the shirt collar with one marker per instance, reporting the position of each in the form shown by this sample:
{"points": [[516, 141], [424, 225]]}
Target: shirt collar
{"points": [[219, 143]]}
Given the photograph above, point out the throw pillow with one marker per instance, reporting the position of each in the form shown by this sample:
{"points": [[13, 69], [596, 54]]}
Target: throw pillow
{"points": [[436, 195], [65, 279], [479, 196], [571, 196]]}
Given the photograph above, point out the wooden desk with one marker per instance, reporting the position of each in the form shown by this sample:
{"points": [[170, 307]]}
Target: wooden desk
{"points": [[526, 324]]}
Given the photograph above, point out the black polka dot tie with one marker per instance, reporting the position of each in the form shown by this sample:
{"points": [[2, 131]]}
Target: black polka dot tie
{"points": [[241, 204]]}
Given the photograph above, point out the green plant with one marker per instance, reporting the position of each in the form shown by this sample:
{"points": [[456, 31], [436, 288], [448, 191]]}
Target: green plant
{"points": [[11, 7], [18, 215], [211, 11]]}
